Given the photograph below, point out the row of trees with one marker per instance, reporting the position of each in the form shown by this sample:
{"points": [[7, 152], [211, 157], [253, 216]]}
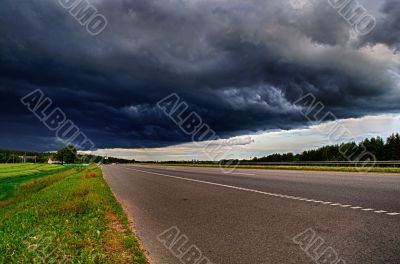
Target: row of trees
{"points": [[68, 155], [13, 156], [383, 150]]}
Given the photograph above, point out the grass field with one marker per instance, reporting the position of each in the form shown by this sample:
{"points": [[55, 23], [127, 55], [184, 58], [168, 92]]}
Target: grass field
{"points": [[24, 169], [12, 175], [64, 215], [292, 167]]}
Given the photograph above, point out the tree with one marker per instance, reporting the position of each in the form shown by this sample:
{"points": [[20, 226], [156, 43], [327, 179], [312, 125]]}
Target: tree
{"points": [[67, 154], [375, 146], [392, 147]]}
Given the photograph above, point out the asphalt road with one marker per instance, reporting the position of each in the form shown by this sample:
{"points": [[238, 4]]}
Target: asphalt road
{"points": [[254, 216]]}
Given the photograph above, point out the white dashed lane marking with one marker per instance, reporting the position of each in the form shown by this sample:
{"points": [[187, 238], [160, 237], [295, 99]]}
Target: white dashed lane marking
{"points": [[393, 213], [272, 194], [240, 173]]}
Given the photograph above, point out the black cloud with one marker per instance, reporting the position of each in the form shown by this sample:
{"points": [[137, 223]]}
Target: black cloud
{"points": [[239, 64], [388, 30]]}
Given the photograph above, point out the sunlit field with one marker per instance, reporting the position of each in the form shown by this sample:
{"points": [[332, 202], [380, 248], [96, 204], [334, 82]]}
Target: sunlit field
{"points": [[25, 169], [12, 175]]}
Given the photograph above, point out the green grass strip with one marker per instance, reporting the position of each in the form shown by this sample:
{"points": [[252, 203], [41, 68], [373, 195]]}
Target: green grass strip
{"points": [[68, 217]]}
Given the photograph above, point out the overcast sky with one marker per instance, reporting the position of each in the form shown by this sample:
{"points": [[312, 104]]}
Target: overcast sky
{"points": [[240, 65]]}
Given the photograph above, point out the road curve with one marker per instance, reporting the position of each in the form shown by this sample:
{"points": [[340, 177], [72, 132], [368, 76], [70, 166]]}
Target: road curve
{"points": [[261, 216]]}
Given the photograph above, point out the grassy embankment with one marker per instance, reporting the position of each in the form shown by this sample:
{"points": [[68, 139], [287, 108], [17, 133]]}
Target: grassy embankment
{"points": [[62, 215], [291, 167]]}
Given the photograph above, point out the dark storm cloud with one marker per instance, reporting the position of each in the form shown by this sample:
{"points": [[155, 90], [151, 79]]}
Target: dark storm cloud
{"points": [[239, 64], [388, 30]]}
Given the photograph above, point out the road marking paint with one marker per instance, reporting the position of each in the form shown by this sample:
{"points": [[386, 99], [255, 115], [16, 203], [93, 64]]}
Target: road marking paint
{"points": [[367, 209], [345, 205], [264, 193], [393, 213], [281, 195], [240, 173], [380, 212]]}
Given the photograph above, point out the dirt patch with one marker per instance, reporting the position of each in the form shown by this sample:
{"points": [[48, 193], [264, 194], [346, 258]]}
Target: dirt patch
{"points": [[4, 203], [114, 223], [114, 243], [89, 174]]}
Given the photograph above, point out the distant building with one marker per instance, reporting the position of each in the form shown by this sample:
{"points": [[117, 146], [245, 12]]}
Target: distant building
{"points": [[51, 161]]}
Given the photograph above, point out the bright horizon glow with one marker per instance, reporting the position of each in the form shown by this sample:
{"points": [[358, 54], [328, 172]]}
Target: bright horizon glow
{"points": [[269, 142]]}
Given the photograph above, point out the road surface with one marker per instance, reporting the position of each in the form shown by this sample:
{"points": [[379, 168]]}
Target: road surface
{"points": [[261, 216]]}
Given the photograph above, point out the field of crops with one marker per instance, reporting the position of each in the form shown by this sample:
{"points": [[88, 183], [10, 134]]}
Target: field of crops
{"points": [[12, 175], [8, 171]]}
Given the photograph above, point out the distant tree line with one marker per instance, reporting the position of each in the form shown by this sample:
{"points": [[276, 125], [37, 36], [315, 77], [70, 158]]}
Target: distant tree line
{"points": [[12, 156], [67, 155], [383, 151]]}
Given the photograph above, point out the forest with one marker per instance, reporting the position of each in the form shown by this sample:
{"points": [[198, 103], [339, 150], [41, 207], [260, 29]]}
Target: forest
{"points": [[383, 150]]}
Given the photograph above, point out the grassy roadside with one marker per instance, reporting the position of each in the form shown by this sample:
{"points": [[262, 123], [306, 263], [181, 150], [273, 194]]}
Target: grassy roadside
{"points": [[292, 167], [67, 217]]}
